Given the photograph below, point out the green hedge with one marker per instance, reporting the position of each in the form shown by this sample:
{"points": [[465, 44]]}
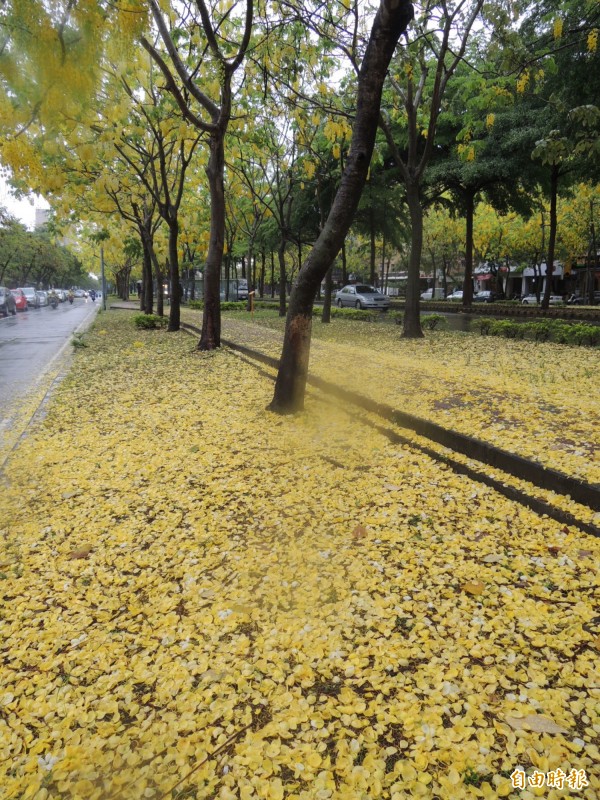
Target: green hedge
{"points": [[432, 321], [549, 330], [150, 321], [226, 305]]}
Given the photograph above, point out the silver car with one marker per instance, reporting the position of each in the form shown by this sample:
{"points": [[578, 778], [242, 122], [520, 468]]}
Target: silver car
{"points": [[361, 296], [32, 298]]}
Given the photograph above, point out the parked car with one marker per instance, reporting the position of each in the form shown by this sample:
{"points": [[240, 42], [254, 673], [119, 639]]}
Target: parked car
{"points": [[20, 299], [242, 290], [531, 300], [583, 299], [485, 296], [429, 294], [31, 295], [61, 294], [361, 296], [79, 293], [7, 302], [43, 298], [457, 295]]}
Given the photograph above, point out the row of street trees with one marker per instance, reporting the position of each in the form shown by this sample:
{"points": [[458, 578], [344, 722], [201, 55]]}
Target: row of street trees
{"points": [[191, 131], [33, 258]]}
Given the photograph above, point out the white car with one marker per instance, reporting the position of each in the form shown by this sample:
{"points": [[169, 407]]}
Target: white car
{"points": [[456, 295], [428, 294], [531, 300], [33, 300], [361, 296]]}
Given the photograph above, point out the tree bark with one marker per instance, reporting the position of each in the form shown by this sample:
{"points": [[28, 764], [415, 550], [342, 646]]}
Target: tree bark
{"points": [[282, 278], [468, 280], [211, 319], [390, 22], [326, 315], [146, 281], [175, 311], [412, 312], [552, 235], [261, 282], [373, 247]]}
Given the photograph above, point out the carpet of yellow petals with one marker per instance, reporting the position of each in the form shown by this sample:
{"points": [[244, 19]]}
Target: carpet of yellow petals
{"points": [[539, 400], [203, 600]]}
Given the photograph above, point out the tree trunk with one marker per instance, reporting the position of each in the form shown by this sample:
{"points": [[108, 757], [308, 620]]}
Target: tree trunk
{"points": [[282, 278], [175, 296], [146, 278], [344, 265], [552, 235], [326, 315], [373, 248], [211, 319], [412, 322], [272, 275], [468, 280], [261, 282], [390, 22]]}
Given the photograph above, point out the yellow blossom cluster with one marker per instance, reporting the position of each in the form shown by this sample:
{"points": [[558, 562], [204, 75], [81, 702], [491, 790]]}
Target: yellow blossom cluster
{"points": [[202, 599]]}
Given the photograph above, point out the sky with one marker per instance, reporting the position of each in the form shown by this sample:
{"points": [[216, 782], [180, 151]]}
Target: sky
{"points": [[23, 210]]}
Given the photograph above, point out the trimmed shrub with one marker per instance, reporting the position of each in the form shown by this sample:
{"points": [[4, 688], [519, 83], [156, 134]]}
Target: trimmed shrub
{"points": [[226, 305], [431, 321], [150, 321], [540, 331], [483, 325], [354, 313], [508, 329], [548, 330]]}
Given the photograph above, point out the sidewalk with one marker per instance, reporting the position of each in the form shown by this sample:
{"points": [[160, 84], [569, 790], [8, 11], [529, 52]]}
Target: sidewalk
{"points": [[203, 599]]}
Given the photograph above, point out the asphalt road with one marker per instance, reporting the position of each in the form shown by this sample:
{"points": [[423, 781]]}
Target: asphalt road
{"points": [[31, 343]]}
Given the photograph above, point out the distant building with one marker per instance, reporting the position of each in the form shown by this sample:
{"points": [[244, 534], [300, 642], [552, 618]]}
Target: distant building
{"points": [[42, 215]]}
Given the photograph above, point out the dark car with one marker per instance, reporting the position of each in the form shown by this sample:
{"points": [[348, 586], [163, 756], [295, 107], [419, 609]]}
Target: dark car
{"points": [[7, 302], [485, 296], [20, 299]]}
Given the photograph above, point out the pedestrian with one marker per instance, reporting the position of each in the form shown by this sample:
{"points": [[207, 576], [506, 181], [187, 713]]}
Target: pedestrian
{"points": [[93, 295]]}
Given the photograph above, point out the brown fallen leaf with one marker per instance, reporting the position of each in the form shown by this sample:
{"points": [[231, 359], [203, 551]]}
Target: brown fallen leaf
{"points": [[81, 552], [535, 722], [473, 587], [480, 536], [585, 553], [359, 532], [554, 550]]}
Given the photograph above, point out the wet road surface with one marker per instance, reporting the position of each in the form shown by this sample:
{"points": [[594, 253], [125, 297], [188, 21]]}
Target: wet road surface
{"points": [[30, 343]]}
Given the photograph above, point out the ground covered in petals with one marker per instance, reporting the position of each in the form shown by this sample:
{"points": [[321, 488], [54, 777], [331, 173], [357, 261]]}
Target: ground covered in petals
{"points": [[535, 399], [203, 600]]}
